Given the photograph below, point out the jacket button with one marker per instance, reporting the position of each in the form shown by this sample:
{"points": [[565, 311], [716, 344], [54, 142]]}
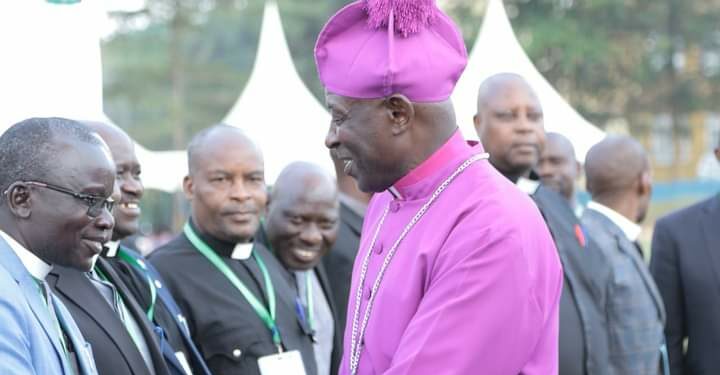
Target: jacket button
{"points": [[157, 284], [237, 353]]}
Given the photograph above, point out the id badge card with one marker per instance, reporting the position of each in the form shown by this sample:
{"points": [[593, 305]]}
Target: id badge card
{"points": [[285, 363]]}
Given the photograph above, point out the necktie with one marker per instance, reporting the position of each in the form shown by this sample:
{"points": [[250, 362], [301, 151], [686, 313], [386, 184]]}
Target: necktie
{"points": [[118, 305]]}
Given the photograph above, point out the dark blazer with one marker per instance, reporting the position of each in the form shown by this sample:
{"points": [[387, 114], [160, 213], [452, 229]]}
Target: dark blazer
{"points": [[340, 260], [222, 323], [114, 350], [322, 276], [583, 336], [338, 339], [167, 315], [635, 311], [686, 266]]}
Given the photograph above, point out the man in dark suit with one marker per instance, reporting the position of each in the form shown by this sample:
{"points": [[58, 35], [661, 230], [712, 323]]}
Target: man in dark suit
{"points": [[56, 178], [340, 260], [509, 122], [239, 307], [124, 341], [300, 228], [619, 180], [145, 284], [686, 266], [558, 168]]}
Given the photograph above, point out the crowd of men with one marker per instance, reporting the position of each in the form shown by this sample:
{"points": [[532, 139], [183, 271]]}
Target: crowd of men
{"points": [[426, 254]]}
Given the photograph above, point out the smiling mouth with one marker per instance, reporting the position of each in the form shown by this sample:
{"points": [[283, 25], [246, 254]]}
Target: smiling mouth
{"points": [[129, 205], [305, 255]]}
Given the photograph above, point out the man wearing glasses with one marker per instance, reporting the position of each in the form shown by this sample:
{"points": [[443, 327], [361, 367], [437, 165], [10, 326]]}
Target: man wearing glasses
{"points": [[123, 338], [56, 177]]}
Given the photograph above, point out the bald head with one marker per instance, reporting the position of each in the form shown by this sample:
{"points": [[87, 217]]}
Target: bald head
{"points": [[212, 140], [302, 215], [499, 84], [225, 184], [303, 180], [509, 123], [617, 171], [128, 181]]}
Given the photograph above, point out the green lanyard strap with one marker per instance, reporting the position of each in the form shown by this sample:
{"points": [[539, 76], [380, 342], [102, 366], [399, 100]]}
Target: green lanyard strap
{"points": [[140, 266], [267, 317]]}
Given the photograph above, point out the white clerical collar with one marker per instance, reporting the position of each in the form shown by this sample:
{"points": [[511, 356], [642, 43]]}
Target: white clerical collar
{"points": [[629, 228], [36, 266], [112, 249], [527, 186], [242, 251]]}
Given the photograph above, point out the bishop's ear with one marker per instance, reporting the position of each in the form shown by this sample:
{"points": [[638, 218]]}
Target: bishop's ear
{"points": [[400, 111]]}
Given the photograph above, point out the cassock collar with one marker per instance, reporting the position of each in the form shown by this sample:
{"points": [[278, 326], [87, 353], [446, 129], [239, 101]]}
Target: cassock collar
{"points": [[426, 177], [630, 229], [239, 251], [36, 266]]}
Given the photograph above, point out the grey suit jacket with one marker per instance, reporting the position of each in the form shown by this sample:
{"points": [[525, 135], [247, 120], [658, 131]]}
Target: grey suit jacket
{"points": [[686, 266], [635, 311], [29, 339]]}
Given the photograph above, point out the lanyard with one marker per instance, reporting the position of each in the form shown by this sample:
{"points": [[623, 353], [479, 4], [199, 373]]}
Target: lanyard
{"points": [[140, 266], [119, 305], [268, 317], [305, 314]]}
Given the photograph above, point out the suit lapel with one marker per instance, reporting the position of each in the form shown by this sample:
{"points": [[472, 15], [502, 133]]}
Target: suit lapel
{"points": [[353, 220], [325, 284], [31, 291], [631, 251], [82, 351], [138, 314], [710, 223], [79, 290]]}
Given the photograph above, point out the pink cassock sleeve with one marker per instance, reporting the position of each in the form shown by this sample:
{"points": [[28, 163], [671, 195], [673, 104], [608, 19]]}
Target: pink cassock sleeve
{"points": [[490, 308]]}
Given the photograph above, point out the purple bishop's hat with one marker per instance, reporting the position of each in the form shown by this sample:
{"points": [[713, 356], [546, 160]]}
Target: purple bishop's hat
{"points": [[372, 49]]}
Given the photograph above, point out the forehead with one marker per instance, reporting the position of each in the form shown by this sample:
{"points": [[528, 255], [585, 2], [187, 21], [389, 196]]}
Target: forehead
{"points": [[121, 147], [317, 192], [81, 165], [558, 148], [228, 154], [512, 93]]}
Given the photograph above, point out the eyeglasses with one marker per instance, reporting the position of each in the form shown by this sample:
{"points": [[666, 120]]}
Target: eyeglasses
{"points": [[95, 203]]}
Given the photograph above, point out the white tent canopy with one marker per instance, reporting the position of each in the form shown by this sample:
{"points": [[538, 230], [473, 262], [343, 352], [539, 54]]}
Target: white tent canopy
{"points": [[51, 61], [276, 109], [55, 69], [497, 50]]}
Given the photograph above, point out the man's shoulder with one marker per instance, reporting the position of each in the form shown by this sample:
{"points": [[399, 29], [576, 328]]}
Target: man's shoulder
{"points": [[686, 215], [177, 246]]}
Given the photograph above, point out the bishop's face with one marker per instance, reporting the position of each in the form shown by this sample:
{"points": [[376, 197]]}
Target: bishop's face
{"points": [[360, 137]]}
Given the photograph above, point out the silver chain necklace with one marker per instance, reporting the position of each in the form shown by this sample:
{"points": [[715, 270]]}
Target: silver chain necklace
{"points": [[355, 339]]}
